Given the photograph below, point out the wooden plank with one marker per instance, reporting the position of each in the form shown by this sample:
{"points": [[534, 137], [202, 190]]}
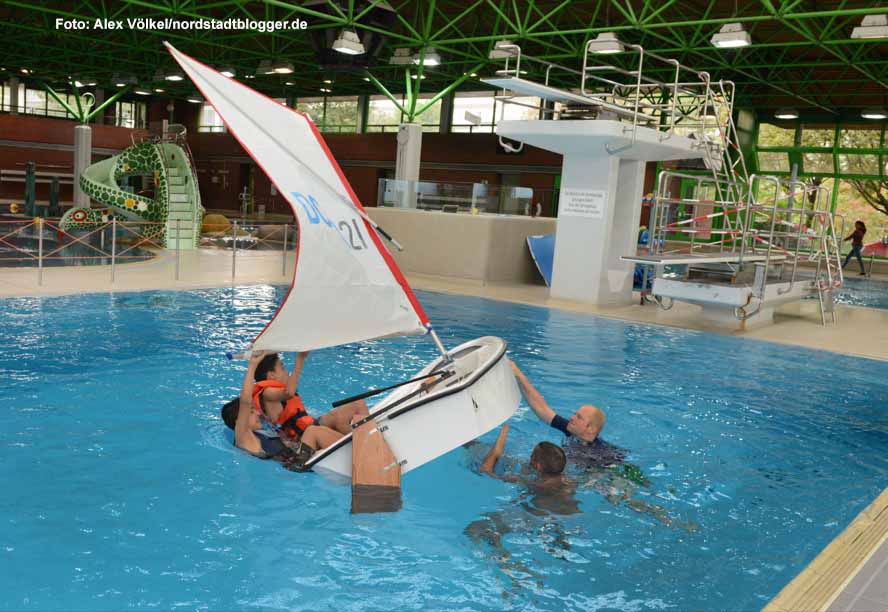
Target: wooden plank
{"points": [[376, 475]]}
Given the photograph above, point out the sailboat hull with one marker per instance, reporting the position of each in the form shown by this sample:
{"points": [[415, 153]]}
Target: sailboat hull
{"points": [[420, 426]]}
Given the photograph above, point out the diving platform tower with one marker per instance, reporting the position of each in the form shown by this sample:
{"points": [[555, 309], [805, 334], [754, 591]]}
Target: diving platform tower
{"points": [[716, 246]]}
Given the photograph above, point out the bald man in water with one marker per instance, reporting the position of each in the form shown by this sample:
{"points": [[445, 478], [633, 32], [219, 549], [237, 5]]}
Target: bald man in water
{"points": [[582, 446]]}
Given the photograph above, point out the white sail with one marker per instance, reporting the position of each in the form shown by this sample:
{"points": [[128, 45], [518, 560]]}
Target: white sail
{"points": [[346, 286]]}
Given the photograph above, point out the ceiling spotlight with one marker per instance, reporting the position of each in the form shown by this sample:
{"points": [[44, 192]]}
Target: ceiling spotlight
{"points": [[401, 57], [265, 67], [143, 92], [123, 81], [228, 71], [25, 71], [502, 49], [413, 76], [328, 81], [605, 43], [326, 89], [249, 76], [367, 79], [85, 81], [194, 99], [874, 113], [282, 67], [159, 90], [872, 26], [290, 83], [174, 75], [731, 36], [348, 43], [787, 113], [431, 57]]}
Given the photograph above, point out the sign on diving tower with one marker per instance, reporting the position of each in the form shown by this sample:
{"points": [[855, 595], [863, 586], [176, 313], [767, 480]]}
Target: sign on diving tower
{"points": [[603, 168]]}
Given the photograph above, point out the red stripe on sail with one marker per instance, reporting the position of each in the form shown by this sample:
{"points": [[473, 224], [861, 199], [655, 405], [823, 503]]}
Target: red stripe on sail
{"points": [[393, 267], [390, 262]]}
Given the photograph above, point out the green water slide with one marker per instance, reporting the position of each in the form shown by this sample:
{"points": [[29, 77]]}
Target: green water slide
{"points": [[174, 207]]}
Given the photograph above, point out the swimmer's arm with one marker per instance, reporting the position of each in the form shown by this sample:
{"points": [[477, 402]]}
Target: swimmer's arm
{"points": [[489, 463], [533, 397], [243, 436], [293, 380]]}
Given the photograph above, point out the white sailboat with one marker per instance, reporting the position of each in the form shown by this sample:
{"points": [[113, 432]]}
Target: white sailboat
{"points": [[347, 288]]}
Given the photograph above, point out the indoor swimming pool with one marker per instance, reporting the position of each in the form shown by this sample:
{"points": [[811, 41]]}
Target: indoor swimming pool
{"points": [[122, 488]]}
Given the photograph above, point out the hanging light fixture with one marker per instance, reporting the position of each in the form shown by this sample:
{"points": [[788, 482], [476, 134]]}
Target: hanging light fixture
{"points": [[349, 43], [872, 26], [431, 57], [605, 43], [265, 67], [174, 75], [501, 50], [282, 67], [731, 36], [787, 113], [401, 57], [228, 71], [874, 113], [123, 81]]}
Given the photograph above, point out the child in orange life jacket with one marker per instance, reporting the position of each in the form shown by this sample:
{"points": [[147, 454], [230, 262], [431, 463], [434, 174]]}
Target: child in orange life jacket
{"points": [[275, 395]]}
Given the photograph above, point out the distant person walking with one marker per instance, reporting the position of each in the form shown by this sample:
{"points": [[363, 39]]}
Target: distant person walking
{"points": [[856, 238]]}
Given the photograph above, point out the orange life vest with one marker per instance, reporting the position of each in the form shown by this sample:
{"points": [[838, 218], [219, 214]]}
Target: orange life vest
{"points": [[293, 420]]}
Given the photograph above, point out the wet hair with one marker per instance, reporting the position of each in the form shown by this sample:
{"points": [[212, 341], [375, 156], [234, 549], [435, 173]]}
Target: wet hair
{"points": [[549, 457], [268, 363], [861, 224], [230, 411]]}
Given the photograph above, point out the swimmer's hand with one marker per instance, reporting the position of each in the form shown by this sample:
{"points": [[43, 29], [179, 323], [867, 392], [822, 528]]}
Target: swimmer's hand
{"points": [[256, 357]]}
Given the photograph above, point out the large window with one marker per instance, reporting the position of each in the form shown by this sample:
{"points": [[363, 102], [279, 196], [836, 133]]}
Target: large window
{"points": [[775, 136], [130, 114], [209, 120], [473, 111], [332, 113], [382, 115], [849, 159]]}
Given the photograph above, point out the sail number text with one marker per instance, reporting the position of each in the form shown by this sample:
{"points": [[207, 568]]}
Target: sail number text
{"points": [[349, 232]]}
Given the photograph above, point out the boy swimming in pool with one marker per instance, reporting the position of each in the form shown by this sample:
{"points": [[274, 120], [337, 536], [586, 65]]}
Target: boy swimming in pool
{"points": [[582, 443], [549, 489]]}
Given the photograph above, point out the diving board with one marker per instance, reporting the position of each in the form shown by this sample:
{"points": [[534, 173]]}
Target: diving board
{"points": [[529, 88], [706, 258], [553, 94]]}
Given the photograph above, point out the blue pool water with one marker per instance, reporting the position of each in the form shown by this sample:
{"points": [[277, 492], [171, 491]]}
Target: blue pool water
{"points": [[121, 488], [860, 291]]}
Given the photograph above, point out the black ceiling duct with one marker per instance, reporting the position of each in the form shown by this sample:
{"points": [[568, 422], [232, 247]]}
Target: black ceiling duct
{"points": [[381, 16]]}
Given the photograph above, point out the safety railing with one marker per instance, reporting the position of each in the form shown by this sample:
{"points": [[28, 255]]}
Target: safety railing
{"points": [[688, 104], [39, 243]]}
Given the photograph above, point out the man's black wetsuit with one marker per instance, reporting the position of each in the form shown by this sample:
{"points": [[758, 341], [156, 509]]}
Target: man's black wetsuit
{"points": [[595, 454], [273, 448]]}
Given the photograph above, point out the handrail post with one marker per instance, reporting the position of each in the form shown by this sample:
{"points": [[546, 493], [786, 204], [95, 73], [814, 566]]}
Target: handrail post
{"points": [[284, 257], [39, 221], [113, 245], [233, 249], [178, 252]]}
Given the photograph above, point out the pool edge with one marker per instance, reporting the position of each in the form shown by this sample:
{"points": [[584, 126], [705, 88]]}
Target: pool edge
{"points": [[828, 575]]}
